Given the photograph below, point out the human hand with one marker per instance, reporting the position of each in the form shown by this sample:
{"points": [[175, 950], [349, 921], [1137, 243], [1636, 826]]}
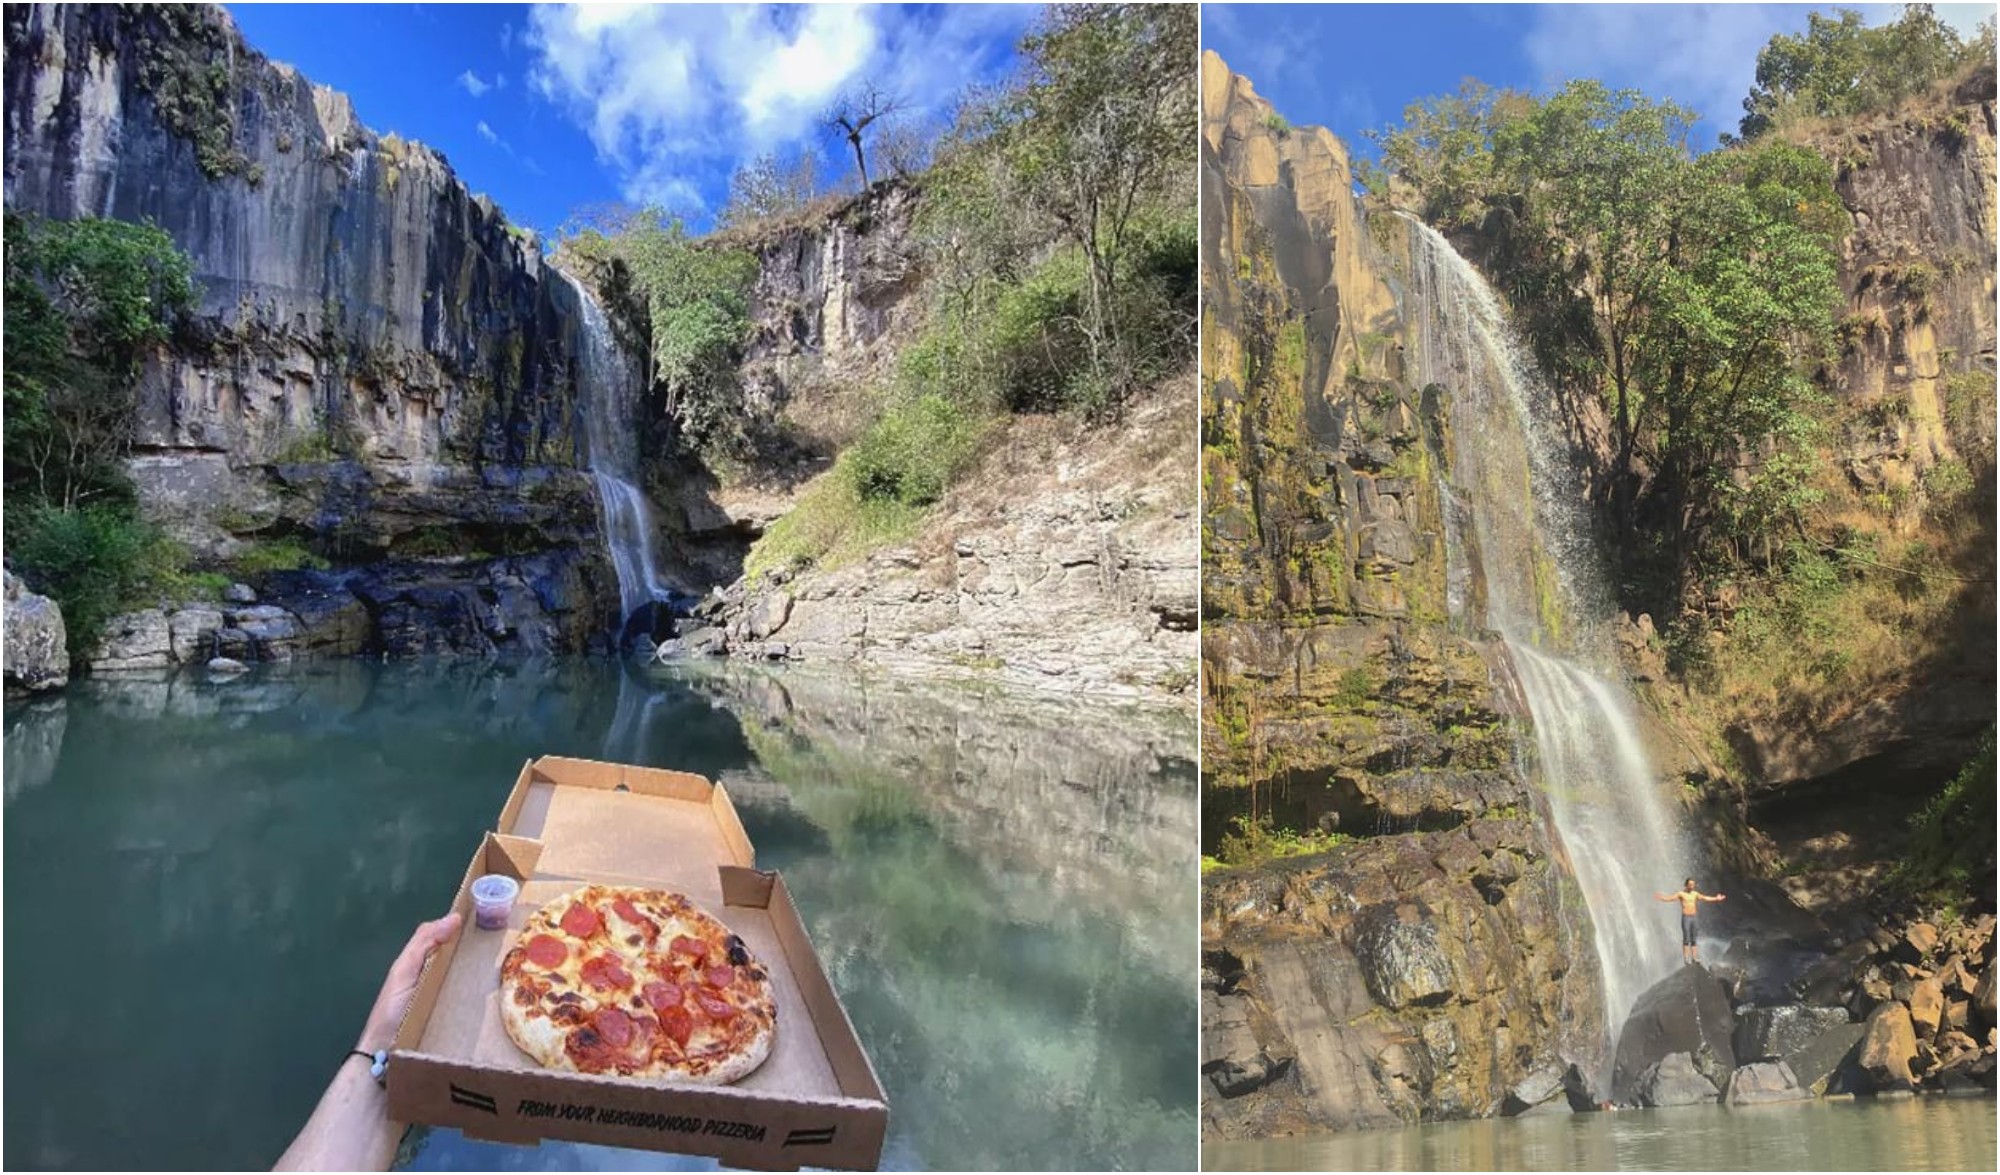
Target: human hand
{"points": [[400, 984]]}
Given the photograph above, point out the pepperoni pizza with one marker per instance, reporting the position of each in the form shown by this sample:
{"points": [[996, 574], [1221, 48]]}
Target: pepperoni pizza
{"points": [[637, 982]]}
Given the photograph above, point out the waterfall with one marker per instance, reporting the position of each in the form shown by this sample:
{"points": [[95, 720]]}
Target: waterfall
{"points": [[609, 386], [1521, 541]]}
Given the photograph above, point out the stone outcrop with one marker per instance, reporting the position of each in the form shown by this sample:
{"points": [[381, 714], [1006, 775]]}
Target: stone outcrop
{"points": [[1673, 1080], [1773, 1033], [1763, 1081], [1065, 560], [1433, 959], [358, 302], [37, 644], [517, 605], [1685, 1014], [1888, 1046]]}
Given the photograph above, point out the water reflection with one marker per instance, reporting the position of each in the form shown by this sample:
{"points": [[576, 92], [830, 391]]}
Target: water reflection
{"points": [[1002, 889], [1925, 1134]]}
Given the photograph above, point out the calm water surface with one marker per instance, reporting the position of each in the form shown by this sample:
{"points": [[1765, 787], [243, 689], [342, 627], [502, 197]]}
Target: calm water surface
{"points": [[1920, 1134], [1001, 888]]}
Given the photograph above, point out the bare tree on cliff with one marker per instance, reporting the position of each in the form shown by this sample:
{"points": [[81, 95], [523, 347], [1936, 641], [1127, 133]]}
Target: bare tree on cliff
{"points": [[854, 112]]}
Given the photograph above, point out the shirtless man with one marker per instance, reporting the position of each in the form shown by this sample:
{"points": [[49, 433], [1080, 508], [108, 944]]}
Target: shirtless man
{"points": [[1690, 899]]}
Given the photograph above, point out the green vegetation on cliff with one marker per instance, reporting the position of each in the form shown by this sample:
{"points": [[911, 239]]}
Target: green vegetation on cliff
{"points": [[86, 299], [1839, 67], [1058, 239], [1693, 296]]}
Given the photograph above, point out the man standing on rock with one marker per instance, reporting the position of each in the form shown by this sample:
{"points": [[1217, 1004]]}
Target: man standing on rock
{"points": [[1690, 899]]}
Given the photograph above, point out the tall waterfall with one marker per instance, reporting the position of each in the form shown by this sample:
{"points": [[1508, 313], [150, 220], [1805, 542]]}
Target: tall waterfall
{"points": [[1524, 568], [609, 390]]}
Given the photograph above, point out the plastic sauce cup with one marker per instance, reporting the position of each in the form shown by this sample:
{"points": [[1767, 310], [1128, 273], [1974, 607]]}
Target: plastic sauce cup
{"points": [[493, 900]]}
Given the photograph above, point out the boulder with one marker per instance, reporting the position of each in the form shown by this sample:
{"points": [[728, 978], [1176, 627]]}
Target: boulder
{"points": [[1553, 1088], [1687, 1012], [1826, 1064], [708, 641], [191, 633], [1918, 941], [1887, 1048], [134, 641], [1769, 1034], [1401, 962], [1673, 1081], [226, 666], [1763, 1081], [1927, 1007], [239, 593], [769, 615], [1982, 998], [37, 644]]}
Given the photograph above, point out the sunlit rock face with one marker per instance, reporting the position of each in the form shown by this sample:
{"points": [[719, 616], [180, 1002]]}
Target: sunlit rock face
{"points": [[1441, 953]]}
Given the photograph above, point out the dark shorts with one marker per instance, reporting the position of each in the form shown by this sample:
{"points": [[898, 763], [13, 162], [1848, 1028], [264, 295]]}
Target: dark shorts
{"points": [[1687, 930]]}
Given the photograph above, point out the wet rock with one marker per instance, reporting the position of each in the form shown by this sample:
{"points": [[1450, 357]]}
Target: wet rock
{"points": [[1887, 1049], [1400, 960], [1687, 1012], [37, 649], [708, 641], [134, 641], [1554, 1088], [1673, 1081], [226, 666], [1825, 1065], [1768, 1034], [192, 633], [1763, 1081]]}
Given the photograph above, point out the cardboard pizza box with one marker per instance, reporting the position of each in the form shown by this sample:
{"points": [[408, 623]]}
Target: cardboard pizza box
{"points": [[570, 822]]}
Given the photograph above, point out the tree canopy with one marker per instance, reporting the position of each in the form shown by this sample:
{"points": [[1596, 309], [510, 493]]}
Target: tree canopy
{"points": [[1840, 66]]}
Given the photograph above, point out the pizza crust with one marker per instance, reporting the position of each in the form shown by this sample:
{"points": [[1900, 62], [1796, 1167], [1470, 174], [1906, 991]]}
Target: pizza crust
{"points": [[542, 1007]]}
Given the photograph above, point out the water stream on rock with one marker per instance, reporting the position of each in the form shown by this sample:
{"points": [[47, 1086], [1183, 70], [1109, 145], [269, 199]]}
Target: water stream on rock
{"points": [[609, 392], [1521, 547]]}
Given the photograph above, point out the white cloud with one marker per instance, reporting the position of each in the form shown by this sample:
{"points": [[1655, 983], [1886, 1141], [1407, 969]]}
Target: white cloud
{"points": [[1702, 56], [668, 94], [493, 137], [472, 84]]}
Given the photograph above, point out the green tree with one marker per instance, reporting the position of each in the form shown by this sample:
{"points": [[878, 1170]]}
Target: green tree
{"points": [[1839, 66], [1102, 125], [85, 300]]}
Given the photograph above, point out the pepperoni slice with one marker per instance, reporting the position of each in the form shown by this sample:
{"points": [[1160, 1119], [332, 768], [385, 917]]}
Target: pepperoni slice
{"points": [[664, 995], [716, 1009], [720, 977], [677, 1024], [683, 945], [614, 1026], [580, 920], [602, 971], [546, 950]]}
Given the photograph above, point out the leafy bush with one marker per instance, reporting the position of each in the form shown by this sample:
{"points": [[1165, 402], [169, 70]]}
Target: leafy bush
{"points": [[1252, 841], [1951, 836], [94, 562], [912, 454]]}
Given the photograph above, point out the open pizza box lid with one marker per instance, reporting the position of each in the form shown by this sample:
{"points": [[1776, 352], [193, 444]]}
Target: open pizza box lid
{"points": [[571, 822]]}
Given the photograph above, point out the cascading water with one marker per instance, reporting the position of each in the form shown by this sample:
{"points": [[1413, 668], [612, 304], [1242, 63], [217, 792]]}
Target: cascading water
{"points": [[1521, 546], [609, 393]]}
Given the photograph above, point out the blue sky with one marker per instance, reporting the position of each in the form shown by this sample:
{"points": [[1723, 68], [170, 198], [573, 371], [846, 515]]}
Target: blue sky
{"points": [[1354, 67], [548, 108]]}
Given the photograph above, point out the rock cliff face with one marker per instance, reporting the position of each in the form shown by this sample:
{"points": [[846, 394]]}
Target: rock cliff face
{"points": [[380, 366], [1914, 393], [1065, 561], [1434, 954]]}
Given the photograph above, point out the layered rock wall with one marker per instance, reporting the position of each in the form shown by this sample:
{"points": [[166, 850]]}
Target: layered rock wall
{"points": [[1431, 953]]}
